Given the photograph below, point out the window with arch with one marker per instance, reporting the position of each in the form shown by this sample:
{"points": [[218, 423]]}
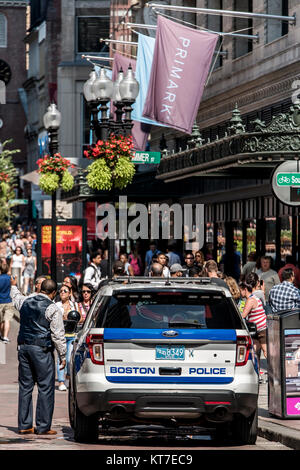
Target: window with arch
{"points": [[3, 30]]}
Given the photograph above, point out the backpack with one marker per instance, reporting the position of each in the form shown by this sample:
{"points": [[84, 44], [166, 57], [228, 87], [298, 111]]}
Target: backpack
{"points": [[81, 281], [135, 263]]}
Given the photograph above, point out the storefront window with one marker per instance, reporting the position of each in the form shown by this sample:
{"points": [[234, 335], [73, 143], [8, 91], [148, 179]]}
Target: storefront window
{"points": [[251, 236], [221, 241], [238, 238], [270, 247], [286, 237]]}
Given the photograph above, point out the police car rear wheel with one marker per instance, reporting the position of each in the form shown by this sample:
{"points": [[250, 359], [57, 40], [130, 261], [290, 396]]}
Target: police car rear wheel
{"points": [[85, 427], [71, 408], [244, 430]]}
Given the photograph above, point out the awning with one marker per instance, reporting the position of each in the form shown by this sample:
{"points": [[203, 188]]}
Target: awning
{"points": [[32, 177]]}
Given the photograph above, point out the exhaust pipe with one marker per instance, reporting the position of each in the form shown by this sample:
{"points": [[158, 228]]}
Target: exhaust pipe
{"points": [[220, 412], [118, 412]]}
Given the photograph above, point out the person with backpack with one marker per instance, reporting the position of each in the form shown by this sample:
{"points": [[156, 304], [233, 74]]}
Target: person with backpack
{"points": [[92, 274]]}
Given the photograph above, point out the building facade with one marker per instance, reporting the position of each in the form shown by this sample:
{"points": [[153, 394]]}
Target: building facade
{"points": [[59, 33], [261, 77], [13, 18]]}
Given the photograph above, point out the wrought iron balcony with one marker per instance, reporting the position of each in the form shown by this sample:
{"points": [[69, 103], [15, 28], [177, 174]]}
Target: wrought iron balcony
{"points": [[239, 153]]}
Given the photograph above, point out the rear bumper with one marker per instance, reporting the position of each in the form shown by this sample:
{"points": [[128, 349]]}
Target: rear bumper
{"points": [[154, 404]]}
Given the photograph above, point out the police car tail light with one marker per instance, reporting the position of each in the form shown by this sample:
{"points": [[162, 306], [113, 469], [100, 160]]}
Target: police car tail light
{"points": [[95, 345], [243, 344]]}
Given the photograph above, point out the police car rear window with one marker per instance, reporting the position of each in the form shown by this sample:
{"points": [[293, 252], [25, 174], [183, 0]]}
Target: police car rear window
{"points": [[168, 309]]}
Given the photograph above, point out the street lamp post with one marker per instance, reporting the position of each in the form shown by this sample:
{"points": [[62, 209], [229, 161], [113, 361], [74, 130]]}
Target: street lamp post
{"points": [[98, 91], [52, 120]]}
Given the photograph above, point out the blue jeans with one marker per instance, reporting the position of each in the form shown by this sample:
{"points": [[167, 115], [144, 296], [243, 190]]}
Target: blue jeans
{"points": [[61, 373]]}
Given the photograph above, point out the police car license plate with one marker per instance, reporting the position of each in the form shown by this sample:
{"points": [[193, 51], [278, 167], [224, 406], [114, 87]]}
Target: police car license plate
{"points": [[170, 353]]}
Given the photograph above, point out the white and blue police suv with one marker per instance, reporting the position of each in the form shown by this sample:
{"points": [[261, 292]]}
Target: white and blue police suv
{"points": [[164, 352]]}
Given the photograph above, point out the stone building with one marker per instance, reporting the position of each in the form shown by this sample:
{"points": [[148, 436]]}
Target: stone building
{"points": [[59, 33], [261, 77], [13, 16]]}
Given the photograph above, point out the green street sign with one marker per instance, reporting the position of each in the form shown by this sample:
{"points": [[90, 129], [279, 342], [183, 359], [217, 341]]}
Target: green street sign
{"points": [[146, 157], [288, 179], [18, 201]]}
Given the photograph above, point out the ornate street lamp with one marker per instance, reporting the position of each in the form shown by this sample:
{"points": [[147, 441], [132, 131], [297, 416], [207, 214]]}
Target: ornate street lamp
{"points": [[98, 91], [52, 121]]}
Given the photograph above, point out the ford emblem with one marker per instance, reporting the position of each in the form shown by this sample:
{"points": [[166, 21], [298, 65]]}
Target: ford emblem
{"points": [[170, 333]]}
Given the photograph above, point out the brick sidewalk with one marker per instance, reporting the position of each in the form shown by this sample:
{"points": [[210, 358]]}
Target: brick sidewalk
{"points": [[286, 431]]}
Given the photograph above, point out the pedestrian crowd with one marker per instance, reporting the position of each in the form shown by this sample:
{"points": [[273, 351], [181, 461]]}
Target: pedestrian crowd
{"points": [[257, 290]]}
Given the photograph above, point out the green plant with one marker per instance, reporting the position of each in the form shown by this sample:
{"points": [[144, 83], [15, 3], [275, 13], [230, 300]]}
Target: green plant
{"points": [[99, 176], [123, 172], [54, 173], [49, 182], [112, 165]]}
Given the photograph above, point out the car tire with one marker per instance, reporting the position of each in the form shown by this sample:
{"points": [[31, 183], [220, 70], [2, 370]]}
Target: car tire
{"points": [[221, 433], [244, 430], [71, 407], [86, 428]]}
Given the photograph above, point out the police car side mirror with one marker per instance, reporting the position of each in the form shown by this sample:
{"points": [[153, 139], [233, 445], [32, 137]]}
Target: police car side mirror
{"points": [[251, 328]]}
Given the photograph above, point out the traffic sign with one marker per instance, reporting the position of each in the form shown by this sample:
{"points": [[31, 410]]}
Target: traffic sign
{"points": [[146, 157], [285, 181]]}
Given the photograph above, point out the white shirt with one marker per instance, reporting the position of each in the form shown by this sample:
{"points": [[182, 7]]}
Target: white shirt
{"points": [[52, 314], [92, 275]]}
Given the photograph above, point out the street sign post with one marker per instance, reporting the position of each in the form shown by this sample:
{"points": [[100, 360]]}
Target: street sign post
{"points": [[285, 181], [146, 157]]}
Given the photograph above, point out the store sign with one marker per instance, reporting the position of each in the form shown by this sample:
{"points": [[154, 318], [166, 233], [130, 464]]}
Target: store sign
{"points": [[146, 157]]}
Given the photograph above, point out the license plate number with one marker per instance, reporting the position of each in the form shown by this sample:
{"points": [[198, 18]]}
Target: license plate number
{"points": [[170, 353]]}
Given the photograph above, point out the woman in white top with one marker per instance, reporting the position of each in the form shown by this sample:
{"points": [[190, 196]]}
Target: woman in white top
{"points": [[29, 272], [18, 265], [66, 304]]}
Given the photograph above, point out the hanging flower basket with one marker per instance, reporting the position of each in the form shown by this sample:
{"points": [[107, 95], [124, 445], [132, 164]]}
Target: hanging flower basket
{"points": [[54, 173], [112, 166], [5, 183]]}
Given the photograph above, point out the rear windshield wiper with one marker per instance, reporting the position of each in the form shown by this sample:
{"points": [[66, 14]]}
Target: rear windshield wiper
{"points": [[190, 323]]}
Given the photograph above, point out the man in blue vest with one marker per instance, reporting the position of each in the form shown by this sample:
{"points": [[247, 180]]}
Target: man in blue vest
{"points": [[41, 329]]}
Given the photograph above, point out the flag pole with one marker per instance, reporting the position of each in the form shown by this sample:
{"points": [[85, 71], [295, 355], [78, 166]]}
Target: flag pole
{"points": [[117, 41], [245, 36], [210, 11]]}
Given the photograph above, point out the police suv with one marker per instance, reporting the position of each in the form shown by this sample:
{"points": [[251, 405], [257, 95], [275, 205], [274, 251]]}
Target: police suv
{"points": [[174, 353]]}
